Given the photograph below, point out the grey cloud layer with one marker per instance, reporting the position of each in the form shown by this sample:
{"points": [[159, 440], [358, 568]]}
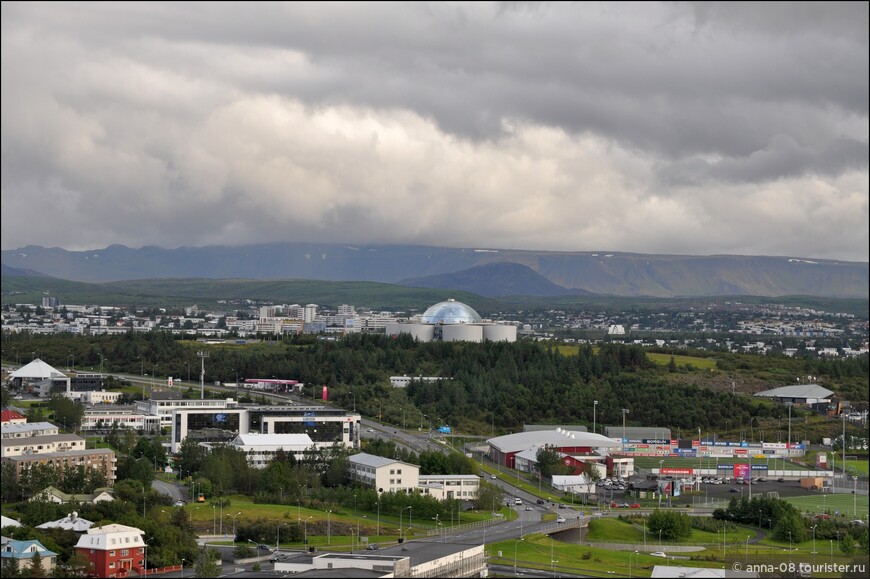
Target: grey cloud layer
{"points": [[682, 128]]}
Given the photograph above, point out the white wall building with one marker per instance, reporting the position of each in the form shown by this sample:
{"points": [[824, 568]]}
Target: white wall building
{"points": [[262, 448], [449, 486], [384, 474]]}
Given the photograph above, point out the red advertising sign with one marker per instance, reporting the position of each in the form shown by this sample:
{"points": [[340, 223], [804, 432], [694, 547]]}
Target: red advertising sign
{"points": [[742, 471], [680, 471]]}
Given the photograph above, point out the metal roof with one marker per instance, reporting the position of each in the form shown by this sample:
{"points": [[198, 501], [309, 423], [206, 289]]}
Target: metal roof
{"points": [[798, 391], [525, 440]]}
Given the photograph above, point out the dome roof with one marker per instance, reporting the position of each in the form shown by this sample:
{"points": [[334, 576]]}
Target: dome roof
{"points": [[450, 312]]}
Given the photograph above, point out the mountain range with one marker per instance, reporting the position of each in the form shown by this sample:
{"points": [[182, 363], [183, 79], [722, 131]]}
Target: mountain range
{"points": [[486, 272]]}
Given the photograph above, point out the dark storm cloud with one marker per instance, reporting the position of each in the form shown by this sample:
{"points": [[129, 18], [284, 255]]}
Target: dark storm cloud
{"points": [[190, 123]]}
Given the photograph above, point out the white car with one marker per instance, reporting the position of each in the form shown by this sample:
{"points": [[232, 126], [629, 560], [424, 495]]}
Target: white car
{"points": [[659, 554], [560, 520], [370, 430]]}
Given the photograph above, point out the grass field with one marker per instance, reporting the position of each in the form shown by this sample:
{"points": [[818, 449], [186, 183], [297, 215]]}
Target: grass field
{"points": [[677, 462], [660, 359], [609, 530], [820, 503]]}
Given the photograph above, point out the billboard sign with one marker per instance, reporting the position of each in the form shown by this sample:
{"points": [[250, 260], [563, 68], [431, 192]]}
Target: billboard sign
{"points": [[742, 470]]}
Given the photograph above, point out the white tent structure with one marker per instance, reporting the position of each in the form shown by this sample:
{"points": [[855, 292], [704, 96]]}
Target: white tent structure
{"points": [[35, 371]]}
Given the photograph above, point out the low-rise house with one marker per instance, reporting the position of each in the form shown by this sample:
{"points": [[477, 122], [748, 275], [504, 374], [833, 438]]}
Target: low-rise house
{"points": [[22, 553], [71, 522], [54, 495]]}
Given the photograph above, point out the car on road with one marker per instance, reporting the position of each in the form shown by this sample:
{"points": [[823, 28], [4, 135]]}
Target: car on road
{"points": [[370, 429], [733, 490], [635, 506], [659, 554], [493, 477], [264, 547], [540, 501], [373, 547], [277, 557], [529, 508], [179, 503], [780, 479], [560, 520]]}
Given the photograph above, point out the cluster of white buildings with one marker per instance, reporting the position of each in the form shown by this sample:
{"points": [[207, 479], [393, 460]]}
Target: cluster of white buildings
{"points": [[387, 475]]}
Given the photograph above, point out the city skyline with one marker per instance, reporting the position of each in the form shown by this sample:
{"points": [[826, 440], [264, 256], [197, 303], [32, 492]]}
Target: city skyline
{"points": [[685, 128]]}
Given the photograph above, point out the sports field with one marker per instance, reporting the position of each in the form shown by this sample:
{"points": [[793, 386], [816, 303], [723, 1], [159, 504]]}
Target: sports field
{"points": [[677, 462], [820, 503]]}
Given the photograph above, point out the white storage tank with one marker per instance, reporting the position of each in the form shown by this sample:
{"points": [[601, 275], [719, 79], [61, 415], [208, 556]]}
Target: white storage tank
{"points": [[462, 333], [500, 333]]}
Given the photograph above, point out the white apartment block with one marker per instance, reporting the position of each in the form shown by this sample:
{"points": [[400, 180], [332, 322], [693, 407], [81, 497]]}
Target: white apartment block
{"points": [[41, 444], [385, 475]]}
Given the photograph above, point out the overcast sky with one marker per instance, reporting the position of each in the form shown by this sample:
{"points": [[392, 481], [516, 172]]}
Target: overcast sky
{"points": [[651, 127]]}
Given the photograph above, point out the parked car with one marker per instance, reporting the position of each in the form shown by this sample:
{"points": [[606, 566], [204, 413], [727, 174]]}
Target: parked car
{"points": [[780, 479], [373, 547], [635, 506], [370, 429], [560, 520]]}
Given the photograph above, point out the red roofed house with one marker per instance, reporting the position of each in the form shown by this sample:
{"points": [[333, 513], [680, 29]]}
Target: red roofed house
{"points": [[114, 550], [12, 417]]}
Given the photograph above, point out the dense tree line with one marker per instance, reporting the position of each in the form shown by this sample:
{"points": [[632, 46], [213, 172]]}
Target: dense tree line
{"points": [[488, 384]]}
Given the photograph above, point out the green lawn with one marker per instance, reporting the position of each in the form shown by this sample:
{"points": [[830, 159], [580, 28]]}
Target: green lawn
{"points": [[700, 363], [606, 530], [820, 503], [677, 462]]}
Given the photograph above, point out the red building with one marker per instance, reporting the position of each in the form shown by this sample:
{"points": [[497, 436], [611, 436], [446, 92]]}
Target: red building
{"points": [[114, 550]]}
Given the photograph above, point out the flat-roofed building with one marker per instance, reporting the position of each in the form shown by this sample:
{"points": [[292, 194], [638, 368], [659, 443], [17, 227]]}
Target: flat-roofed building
{"points": [[99, 458], [28, 429], [41, 444], [449, 486], [261, 449]]}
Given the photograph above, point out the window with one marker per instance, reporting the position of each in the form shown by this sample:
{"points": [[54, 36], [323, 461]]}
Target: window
{"points": [[111, 565], [111, 553], [392, 471], [125, 552], [399, 471]]}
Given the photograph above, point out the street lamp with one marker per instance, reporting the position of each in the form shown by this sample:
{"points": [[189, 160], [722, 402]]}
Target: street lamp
{"points": [[789, 404], [401, 526], [328, 527], [517, 544], [213, 519], [182, 569], [629, 561], [233, 517], [814, 539], [624, 412], [305, 540], [594, 409], [277, 537]]}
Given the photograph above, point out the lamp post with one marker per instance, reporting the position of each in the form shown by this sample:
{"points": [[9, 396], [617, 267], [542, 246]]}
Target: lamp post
{"points": [[624, 412], [629, 561], [814, 540], [213, 519], [305, 539], [328, 527], [182, 569], [854, 496], [233, 517], [277, 537], [516, 544], [788, 451], [401, 526], [379, 517], [594, 409]]}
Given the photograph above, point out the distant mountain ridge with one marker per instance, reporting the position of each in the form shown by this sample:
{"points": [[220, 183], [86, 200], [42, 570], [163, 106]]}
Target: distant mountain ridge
{"points": [[494, 280], [604, 273]]}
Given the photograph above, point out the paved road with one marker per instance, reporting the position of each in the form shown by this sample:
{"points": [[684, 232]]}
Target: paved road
{"points": [[170, 489]]}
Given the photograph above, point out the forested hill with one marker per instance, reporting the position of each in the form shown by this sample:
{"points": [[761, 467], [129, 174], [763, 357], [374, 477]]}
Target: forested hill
{"points": [[488, 384]]}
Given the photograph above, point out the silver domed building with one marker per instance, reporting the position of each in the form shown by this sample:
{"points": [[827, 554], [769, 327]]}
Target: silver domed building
{"points": [[453, 321]]}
